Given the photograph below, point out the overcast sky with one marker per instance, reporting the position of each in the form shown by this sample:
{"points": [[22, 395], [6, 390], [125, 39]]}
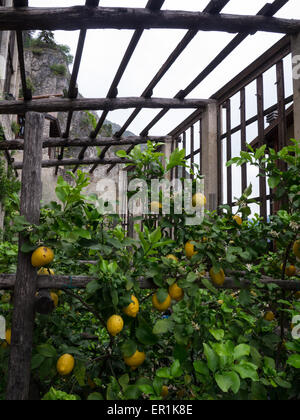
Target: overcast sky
{"points": [[104, 50]]}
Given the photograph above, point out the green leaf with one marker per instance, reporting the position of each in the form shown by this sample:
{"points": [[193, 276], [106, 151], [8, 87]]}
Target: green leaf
{"points": [[124, 381], [92, 287], [176, 370], [146, 389], [27, 248], [133, 392], [212, 358], [36, 361], [224, 381], [129, 348], [47, 350], [201, 367], [294, 361], [163, 326], [274, 181], [162, 295], [246, 370], [80, 372], [217, 334], [145, 335], [157, 385], [121, 153], [95, 396], [240, 351], [164, 373]]}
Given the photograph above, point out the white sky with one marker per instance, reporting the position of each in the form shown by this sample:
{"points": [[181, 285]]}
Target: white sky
{"points": [[104, 50]]}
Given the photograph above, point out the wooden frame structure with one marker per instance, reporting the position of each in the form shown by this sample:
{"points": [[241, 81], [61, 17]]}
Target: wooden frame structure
{"points": [[208, 111]]}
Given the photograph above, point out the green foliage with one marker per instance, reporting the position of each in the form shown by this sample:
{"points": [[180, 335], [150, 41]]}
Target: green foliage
{"points": [[29, 85], [215, 343], [58, 69], [15, 128]]}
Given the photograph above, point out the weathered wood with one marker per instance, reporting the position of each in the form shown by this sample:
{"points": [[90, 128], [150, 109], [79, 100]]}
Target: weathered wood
{"points": [[25, 284], [83, 104], [71, 162], [44, 304], [82, 17], [7, 282], [85, 141]]}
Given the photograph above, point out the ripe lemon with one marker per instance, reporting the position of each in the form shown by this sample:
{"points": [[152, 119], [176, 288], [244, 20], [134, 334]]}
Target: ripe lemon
{"points": [[238, 219], [43, 271], [190, 250], [296, 248], [155, 206], [42, 256], [54, 297], [65, 364], [176, 292], [199, 200], [161, 306], [136, 360], [290, 270], [8, 336], [269, 316], [115, 325], [172, 257], [164, 391], [217, 278], [133, 308]]}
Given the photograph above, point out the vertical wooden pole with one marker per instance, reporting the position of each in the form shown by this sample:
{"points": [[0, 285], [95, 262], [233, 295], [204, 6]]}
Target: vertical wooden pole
{"points": [[209, 150], [25, 286], [295, 45]]}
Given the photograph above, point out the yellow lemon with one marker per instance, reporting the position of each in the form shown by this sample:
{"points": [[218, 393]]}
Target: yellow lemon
{"points": [[43, 271], [172, 257], [133, 308], [220, 302], [54, 297], [290, 270], [115, 325], [199, 200], [269, 316], [161, 306], [296, 248], [136, 360], [238, 219], [155, 206], [42, 256], [217, 278], [164, 391], [190, 250], [65, 364], [8, 336], [176, 292]]}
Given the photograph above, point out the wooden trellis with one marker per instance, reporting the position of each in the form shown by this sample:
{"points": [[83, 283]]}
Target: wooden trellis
{"points": [[91, 16]]}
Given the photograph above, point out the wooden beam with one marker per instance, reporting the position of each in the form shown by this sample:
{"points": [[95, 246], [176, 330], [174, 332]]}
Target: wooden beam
{"points": [[82, 17], [7, 282], [84, 142], [25, 283], [71, 162], [82, 104]]}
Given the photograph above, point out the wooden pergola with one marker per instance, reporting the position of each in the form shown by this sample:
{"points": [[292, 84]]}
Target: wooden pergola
{"points": [[91, 16]]}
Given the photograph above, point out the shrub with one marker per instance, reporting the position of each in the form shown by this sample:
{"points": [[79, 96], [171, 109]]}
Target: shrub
{"points": [[58, 69]]}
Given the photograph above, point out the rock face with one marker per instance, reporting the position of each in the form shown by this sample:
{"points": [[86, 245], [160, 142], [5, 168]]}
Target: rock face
{"points": [[48, 74]]}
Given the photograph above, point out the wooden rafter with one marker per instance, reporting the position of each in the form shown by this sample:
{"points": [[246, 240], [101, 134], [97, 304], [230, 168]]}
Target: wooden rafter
{"points": [[82, 17]]}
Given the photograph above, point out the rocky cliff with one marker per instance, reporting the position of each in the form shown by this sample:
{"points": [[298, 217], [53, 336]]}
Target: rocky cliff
{"points": [[48, 74]]}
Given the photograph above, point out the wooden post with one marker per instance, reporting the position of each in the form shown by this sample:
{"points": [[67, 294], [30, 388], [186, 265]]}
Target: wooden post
{"points": [[26, 277], [295, 44], [209, 136]]}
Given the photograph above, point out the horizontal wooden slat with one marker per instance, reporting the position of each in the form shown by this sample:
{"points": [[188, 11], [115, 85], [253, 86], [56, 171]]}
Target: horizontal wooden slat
{"points": [[71, 162], [65, 104], [7, 281], [82, 17], [85, 142]]}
